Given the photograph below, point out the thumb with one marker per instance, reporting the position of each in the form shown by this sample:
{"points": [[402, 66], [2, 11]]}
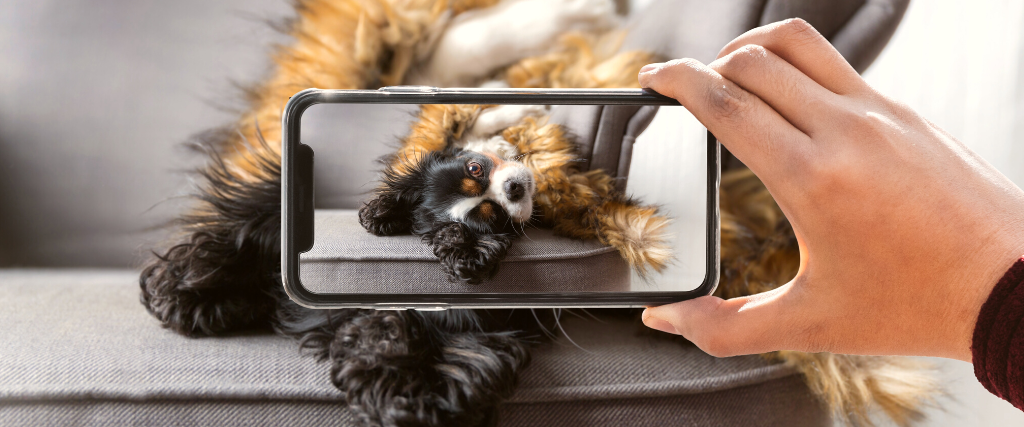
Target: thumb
{"points": [[746, 325]]}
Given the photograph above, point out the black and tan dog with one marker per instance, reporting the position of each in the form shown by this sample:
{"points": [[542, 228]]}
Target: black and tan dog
{"points": [[467, 178], [221, 271]]}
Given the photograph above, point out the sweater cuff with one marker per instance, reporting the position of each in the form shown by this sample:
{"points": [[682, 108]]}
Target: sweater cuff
{"points": [[997, 347]]}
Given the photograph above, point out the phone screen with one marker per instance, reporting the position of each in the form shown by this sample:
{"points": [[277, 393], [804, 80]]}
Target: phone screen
{"points": [[487, 161]]}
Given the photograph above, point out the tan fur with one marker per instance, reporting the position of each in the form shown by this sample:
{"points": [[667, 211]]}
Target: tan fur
{"points": [[586, 205], [338, 44], [584, 61], [435, 127], [354, 44], [486, 210], [471, 187]]}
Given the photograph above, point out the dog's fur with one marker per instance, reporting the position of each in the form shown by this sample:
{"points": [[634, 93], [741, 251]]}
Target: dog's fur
{"points": [[221, 271]]}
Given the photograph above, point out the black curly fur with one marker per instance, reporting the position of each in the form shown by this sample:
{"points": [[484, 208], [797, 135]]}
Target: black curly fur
{"points": [[396, 368], [390, 212], [218, 275], [467, 256]]}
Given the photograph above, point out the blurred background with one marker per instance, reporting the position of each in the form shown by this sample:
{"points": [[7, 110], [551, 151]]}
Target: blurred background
{"points": [[143, 76]]}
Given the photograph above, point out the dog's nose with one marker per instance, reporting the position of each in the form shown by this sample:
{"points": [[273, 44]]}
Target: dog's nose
{"points": [[514, 190]]}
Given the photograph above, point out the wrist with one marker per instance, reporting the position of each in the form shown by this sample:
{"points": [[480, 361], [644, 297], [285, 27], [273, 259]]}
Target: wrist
{"points": [[989, 270]]}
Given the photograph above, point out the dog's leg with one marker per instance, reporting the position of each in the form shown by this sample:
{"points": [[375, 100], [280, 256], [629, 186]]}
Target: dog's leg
{"points": [[405, 368], [639, 233], [465, 256], [479, 42], [218, 274], [586, 205], [496, 119]]}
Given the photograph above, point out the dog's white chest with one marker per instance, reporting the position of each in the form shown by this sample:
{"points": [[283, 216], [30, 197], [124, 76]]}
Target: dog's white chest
{"points": [[484, 135]]}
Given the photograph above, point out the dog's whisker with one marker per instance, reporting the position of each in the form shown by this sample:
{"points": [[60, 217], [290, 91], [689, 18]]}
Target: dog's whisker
{"points": [[521, 156], [510, 313], [591, 315], [522, 226], [540, 324], [574, 313]]}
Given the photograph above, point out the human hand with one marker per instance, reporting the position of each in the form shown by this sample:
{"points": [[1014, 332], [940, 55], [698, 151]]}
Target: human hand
{"points": [[903, 231]]}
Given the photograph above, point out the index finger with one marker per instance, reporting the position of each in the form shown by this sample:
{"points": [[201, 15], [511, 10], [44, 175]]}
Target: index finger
{"points": [[798, 43], [754, 132]]}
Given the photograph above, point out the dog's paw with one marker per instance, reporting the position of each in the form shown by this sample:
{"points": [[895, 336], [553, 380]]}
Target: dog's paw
{"points": [[384, 216], [453, 235], [496, 119], [465, 257], [195, 289], [587, 15], [480, 262]]}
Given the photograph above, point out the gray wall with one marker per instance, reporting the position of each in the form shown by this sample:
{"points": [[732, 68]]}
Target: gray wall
{"points": [[95, 97]]}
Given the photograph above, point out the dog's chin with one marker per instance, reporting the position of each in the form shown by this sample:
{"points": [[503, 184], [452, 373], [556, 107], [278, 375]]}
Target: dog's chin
{"points": [[520, 212]]}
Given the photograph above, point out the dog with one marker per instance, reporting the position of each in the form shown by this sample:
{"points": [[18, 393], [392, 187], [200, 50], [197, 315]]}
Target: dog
{"points": [[464, 200], [220, 270]]}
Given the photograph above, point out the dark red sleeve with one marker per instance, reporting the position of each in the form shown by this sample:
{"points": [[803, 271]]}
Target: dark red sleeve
{"points": [[998, 344]]}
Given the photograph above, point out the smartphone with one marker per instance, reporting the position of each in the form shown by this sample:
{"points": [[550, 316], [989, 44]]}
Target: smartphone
{"points": [[649, 145]]}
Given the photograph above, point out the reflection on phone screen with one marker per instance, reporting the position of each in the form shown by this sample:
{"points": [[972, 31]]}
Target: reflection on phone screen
{"points": [[506, 199]]}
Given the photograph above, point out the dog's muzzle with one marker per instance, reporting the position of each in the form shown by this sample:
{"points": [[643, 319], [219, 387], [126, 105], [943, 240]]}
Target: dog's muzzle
{"points": [[512, 186]]}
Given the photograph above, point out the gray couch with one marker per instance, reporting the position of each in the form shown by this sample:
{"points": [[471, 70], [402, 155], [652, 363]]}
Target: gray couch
{"points": [[93, 103]]}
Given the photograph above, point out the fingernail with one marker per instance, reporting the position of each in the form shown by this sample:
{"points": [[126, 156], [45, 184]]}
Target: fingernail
{"points": [[651, 67], [658, 324]]}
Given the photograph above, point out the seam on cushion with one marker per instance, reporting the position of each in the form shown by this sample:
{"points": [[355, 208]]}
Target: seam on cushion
{"points": [[291, 392], [47, 393], [652, 389], [418, 258]]}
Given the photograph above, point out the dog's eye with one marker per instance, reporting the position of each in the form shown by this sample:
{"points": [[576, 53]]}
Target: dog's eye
{"points": [[475, 169]]}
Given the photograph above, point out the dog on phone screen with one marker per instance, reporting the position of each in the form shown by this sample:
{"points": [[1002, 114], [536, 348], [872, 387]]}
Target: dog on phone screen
{"points": [[221, 270], [467, 177]]}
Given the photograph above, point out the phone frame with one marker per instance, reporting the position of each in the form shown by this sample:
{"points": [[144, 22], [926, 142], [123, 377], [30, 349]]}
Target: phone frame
{"points": [[297, 195]]}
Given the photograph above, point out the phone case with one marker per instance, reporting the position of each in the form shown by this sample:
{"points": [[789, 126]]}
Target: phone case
{"points": [[297, 200]]}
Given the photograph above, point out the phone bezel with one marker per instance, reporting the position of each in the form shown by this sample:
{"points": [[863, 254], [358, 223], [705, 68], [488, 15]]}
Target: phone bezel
{"points": [[292, 221]]}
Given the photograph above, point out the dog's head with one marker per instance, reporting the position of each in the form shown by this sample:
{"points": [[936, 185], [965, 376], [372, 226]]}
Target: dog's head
{"points": [[483, 190]]}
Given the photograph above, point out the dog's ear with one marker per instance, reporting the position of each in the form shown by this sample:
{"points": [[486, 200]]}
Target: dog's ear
{"points": [[390, 212], [222, 270]]}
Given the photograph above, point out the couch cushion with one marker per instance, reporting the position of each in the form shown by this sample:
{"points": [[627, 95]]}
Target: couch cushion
{"points": [[345, 259], [79, 349]]}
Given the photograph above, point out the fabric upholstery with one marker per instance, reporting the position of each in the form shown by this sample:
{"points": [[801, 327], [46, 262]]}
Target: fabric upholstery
{"points": [[80, 350], [345, 259], [698, 29], [604, 134]]}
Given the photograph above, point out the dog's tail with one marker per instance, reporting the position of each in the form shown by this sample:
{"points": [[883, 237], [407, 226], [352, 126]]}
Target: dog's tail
{"points": [[854, 387]]}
